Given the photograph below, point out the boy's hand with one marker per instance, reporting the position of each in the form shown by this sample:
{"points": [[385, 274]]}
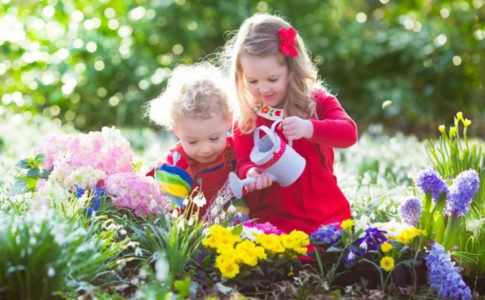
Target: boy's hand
{"points": [[295, 128], [262, 179]]}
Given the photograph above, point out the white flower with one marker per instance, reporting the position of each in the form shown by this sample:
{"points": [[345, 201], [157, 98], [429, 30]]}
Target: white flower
{"points": [[231, 209], [393, 228], [350, 256], [138, 252], [249, 232], [162, 268], [362, 223], [474, 226], [199, 200], [214, 211]]}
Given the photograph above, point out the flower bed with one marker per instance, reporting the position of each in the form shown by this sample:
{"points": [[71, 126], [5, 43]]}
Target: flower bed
{"points": [[83, 198]]}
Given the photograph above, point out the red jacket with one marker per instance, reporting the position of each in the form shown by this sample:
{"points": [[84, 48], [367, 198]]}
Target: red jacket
{"points": [[208, 178], [315, 198]]}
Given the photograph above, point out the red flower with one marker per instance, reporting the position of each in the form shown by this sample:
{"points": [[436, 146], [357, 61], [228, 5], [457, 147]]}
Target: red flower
{"points": [[288, 41]]}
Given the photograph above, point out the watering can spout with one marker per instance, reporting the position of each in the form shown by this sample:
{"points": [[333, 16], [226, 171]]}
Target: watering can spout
{"points": [[239, 186]]}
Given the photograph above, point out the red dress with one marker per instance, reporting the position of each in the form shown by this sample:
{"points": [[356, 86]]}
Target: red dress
{"points": [[315, 198]]}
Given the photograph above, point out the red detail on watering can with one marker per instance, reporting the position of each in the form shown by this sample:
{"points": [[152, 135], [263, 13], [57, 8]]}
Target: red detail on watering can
{"points": [[275, 157]]}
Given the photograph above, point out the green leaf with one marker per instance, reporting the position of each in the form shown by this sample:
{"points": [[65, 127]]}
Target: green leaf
{"points": [[31, 183], [40, 158], [44, 173], [237, 230], [23, 164], [33, 173], [19, 187]]}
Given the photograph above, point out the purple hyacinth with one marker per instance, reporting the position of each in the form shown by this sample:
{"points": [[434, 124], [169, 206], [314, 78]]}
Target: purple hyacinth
{"points": [[79, 192], [326, 234], [464, 188], [430, 182], [444, 276], [410, 211], [372, 239]]}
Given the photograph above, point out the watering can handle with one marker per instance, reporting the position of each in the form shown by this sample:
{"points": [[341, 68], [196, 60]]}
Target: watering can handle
{"points": [[273, 128], [270, 133]]}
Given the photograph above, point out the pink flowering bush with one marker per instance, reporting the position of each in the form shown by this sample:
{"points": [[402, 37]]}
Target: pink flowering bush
{"points": [[140, 193], [96, 160], [104, 150]]}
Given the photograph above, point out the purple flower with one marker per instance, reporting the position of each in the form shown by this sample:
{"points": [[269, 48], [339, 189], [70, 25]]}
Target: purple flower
{"points": [[444, 276], [464, 188], [79, 191], [97, 194], [372, 239], [410, 211], [350, 257], [326, 234], [431, 183]]}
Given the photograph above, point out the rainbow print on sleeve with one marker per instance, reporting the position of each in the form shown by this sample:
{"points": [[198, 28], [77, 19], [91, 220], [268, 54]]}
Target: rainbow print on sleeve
{"points": [[176, 182]]}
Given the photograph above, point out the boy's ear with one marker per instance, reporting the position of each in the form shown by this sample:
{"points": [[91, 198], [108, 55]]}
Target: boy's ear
{"points": [[176, 132]]}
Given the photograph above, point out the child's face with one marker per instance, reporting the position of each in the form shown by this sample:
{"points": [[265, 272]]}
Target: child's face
{"points": [[266, 78], [203, 139]]}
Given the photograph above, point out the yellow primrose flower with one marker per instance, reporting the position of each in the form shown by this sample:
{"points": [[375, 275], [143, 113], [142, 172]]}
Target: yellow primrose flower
{"points": [[249, 252], [407, 235], [223, 248], [270, 242], [459, 115], [291, 243], [301, 240], [387, 263], [466, 122], [347, 224], [299, 235], [218, 230], [227, 266], [386, 247], [453, 132], [210, 241], [442, 128], [247, 258]]}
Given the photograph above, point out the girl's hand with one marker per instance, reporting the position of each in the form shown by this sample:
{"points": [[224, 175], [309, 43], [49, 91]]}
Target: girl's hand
{"points": [[295, 128], [262, 179]]}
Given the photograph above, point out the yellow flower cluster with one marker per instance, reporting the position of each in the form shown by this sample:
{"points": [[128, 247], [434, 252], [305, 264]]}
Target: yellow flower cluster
{"points": [[347, 224], [407, 235], [220, 238], [234, 253], [296, 241], [454, 129]]}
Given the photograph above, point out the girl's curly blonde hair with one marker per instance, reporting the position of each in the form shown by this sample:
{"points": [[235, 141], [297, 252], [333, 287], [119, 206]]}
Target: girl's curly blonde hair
{"points": [[258, 35], [198, 91]]}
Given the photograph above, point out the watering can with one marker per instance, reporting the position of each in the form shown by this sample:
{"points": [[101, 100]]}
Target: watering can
{"points": [[272, 155]]}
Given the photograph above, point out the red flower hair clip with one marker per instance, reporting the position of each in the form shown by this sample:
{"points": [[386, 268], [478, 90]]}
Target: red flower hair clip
{"points": [[288, 41]]}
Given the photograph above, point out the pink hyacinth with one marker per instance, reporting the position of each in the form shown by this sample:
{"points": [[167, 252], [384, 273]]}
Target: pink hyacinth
{"points": [[130, 190]]}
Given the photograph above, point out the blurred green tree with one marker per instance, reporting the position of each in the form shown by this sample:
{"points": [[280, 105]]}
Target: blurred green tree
{"points": [[96, 63]]}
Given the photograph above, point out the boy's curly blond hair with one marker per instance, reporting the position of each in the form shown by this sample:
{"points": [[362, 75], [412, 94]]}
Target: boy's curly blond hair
{"points": [[199, 91]]}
